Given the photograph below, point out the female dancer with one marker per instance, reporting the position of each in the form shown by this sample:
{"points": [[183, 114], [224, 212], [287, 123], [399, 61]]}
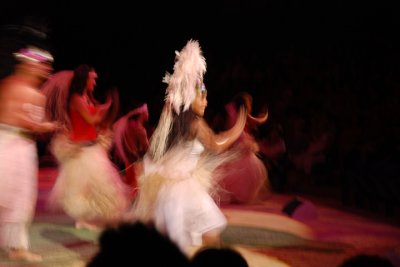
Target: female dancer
{"points": [[176, 187], [131, 142], [89, 188], [246, 177]]}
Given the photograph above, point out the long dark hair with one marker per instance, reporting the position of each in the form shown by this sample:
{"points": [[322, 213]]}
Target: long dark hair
{"points": [[181, 127], [79, 80]]}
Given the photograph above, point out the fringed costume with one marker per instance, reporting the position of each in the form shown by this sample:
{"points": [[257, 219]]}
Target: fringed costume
{"points": [[178, 186], [88, 186], [176, 194]]}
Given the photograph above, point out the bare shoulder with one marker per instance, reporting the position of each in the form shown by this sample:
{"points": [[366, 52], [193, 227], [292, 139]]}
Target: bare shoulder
{"points": [[199, 127]]}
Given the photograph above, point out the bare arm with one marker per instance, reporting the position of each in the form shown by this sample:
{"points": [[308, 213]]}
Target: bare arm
{"points": [[44, 127], [78, 104], [222, 141]]}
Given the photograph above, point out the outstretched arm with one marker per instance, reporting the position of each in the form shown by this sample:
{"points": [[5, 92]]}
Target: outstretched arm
{"points": [[222, 141]]}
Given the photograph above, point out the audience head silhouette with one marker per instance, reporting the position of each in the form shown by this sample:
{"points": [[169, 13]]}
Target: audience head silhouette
{"points": [[364, 260], [217, 257], [131, 244]]}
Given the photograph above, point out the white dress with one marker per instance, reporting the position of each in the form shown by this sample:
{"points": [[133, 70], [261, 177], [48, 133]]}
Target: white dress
{"points": [[173, 193]]}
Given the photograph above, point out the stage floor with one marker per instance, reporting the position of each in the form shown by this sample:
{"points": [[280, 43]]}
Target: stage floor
{"points": [[318, 233]]}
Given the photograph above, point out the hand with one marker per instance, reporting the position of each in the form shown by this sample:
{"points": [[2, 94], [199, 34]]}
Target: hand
{"points": [[102, 109], [48, 127]]}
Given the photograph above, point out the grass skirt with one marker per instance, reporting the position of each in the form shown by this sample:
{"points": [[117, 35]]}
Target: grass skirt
{"points": [[88, 187]]}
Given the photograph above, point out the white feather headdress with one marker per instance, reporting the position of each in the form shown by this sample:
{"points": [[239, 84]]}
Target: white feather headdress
{"points": [[189, 69]]}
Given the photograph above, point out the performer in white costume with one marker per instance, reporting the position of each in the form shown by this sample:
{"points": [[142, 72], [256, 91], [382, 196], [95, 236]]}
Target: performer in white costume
{"points": [[21, 115], [176, 189]]}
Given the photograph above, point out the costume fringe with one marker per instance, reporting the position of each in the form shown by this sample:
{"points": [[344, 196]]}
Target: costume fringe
{"points": [[88, 186], [120, 128], [207, 172], [62, 148], [159, 139], [56, 90]]}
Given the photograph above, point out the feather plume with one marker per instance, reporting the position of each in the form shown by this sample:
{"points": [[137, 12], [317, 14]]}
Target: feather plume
{"points": [[189, 69]]}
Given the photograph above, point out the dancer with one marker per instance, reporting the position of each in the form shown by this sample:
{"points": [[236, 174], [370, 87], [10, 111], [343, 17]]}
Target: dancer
{"points": [[246, 178], [21, 116], [88, 188], [131, 142], [176, 187]]}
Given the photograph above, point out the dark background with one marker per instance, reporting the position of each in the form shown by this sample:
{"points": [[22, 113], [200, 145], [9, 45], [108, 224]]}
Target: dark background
{"points": [[132, 43]]}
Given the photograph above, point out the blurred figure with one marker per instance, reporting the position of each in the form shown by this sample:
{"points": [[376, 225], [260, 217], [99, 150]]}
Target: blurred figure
{"points": [[246, 178], [274, 154], [88, 188], [22, 114], [131, 142], [130, 244], [177, 182]]}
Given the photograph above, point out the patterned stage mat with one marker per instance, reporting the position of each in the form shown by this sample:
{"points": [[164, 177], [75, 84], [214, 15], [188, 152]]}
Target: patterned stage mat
{"points": [[55, 238], [261, 233]]}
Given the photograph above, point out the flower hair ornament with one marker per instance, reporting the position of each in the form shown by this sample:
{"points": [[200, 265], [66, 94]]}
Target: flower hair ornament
{"points": [[189, 69]]}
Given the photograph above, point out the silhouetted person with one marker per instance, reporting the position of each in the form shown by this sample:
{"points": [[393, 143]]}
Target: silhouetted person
{"points": [[364, 260], [137, 244], [217, 257]]}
